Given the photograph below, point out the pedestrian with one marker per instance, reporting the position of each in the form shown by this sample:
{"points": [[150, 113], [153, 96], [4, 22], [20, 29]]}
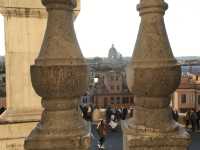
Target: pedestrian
{"points": [[198, 119], [124, 113], [131, 112], [102, 132], [187, 119], [193, 119], [175, 114], [118, 114], [84, 110], [108, 114], [89, 113]]}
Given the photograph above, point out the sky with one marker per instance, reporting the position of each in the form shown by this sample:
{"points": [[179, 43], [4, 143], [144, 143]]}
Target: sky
{"points": [[102, 23]]}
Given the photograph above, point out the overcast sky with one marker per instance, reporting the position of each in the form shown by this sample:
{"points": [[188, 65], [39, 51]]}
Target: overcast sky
{"points": [[103, 22]]}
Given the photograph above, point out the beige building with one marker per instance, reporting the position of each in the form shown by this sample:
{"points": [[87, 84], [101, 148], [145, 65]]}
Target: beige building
{"points": [[187, 96], [111, 90]]}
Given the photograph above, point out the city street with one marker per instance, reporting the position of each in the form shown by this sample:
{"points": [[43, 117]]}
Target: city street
{"points": [[195, 141], [114, 140]]}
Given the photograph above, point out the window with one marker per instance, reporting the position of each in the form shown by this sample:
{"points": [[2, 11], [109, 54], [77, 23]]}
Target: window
{"points": [[125, 100], [112, 78], [112, 87], [112, 100], [118, 100], [183, 99], [118, 88], [117, 78], [105, 101], [132, 100], [184, 110]]}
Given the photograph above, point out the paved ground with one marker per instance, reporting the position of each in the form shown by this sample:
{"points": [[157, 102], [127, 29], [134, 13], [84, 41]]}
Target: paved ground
{"points": [[114, 140], [195, 141]]}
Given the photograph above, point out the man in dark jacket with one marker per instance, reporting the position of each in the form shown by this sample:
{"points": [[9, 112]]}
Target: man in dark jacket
{"points": [[198, 120], [193, 119]]}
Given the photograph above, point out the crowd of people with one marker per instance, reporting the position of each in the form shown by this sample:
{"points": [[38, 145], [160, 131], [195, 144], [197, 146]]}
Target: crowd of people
{"points": [[192, 119], [110, 122], [114, 115]]}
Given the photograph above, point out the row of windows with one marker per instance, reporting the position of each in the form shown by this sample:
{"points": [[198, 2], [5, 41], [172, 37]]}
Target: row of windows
{"points": [[184, 99], [117, 87], [119, 100], [112, 78]]}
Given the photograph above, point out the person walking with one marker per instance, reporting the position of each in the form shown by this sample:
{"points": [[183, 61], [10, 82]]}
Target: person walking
{"points": [[124, 113], [187, 119], [89, 113], [102, 132], [198, 119], [175, 114], [193, 118]]}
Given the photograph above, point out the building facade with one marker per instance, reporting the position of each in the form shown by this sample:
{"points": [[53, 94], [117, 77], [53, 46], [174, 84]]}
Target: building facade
{"points": [[107, 82], [187, 96], [111, 90]]}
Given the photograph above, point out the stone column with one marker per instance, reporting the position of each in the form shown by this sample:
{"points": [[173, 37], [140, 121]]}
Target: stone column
{"points": [[25, 23], [22, 26], [59, 76], [152, 76]]}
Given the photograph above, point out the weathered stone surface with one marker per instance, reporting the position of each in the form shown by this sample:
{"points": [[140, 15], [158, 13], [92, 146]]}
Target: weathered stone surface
{"points": [[13, 135], [152, 76], [28, 8], [25, 23], [59, 76]]}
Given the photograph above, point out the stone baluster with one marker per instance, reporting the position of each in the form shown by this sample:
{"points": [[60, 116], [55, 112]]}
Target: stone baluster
{"points": [[152, 76], [59, 76]]}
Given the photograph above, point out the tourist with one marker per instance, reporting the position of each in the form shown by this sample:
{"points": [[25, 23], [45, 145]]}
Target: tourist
{"points": [[84, 110], [2, 109], [131, 112], [193, 119], [175, 114], [89, 113], [124, 113], [108, 114], [118, 114], [198, 120], [113, 122], [187, 119], [102, 132]]}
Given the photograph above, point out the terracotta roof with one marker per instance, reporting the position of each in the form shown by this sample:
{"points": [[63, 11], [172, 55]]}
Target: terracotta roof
{"points": [[188, 83]]}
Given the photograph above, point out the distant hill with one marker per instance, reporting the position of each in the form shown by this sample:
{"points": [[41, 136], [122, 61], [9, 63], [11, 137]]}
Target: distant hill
{"points": [[188, 58]]}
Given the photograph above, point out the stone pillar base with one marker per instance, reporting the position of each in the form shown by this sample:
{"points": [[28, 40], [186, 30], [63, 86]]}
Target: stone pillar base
{"points": [[13, 135], [12, 116], [72, 139], [140, 138], [68, 143]]}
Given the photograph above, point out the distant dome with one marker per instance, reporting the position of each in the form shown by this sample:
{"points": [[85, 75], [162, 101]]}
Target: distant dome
{"points": [[113, 54]]}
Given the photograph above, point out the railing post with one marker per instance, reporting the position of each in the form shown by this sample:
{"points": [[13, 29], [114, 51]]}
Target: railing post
{"points": [[59, 76], [152, 76]]}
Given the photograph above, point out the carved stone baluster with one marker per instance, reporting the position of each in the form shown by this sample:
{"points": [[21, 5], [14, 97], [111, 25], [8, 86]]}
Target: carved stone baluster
{"points": [[59, 76], [152, 76]]}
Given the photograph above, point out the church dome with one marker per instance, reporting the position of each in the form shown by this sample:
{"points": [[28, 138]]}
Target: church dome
{"points": [[113, 52]]}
